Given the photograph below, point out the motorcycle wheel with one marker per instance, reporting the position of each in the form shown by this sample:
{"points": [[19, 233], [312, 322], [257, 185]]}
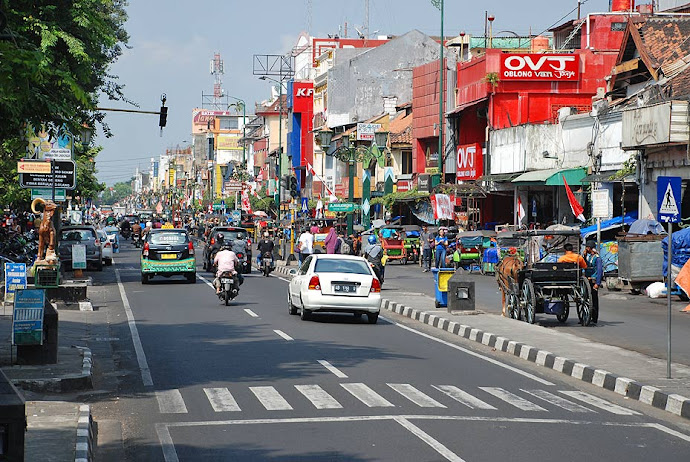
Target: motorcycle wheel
{"points": [[227, 298], [266, 270]]}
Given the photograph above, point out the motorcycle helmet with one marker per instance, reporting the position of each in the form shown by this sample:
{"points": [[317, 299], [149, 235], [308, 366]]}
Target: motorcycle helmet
{"points": [[226, 246], [371, 239], [220, 237], [266, 235]]}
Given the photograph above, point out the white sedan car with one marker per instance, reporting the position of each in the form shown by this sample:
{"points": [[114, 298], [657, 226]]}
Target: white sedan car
{"points": [[335, 283], [106, 246]]}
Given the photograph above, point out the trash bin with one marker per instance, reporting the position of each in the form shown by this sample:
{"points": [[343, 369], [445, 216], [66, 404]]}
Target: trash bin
{"points": [[460, 293], [441, 278]]}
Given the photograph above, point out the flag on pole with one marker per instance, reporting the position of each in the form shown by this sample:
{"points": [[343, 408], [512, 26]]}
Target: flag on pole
{"points": [[520, 211], [574, 204]]}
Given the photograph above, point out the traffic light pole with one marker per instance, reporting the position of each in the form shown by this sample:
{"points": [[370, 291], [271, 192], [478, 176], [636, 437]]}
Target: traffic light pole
{"points": [[280, 151], [351, 193]]}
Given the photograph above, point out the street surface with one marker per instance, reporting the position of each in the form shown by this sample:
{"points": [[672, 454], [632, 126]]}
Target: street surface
{"points": [[194, 380]]}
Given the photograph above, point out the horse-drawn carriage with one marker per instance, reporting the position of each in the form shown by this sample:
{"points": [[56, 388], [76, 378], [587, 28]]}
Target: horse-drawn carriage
{"points": [[539, 283], [470, 247]]}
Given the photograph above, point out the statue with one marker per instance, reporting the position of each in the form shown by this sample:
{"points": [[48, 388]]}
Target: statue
{"points": [[46, 232]]}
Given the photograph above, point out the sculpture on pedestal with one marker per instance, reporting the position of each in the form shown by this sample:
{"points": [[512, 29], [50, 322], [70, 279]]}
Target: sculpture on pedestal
{"points": [[46, 232]]}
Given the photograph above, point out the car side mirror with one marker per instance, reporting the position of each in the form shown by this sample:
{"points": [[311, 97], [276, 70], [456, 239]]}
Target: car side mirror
{"points": [[293, 272]]}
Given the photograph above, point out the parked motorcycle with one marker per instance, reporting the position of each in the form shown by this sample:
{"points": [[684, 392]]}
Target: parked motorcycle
{"points": [[229, 287], [266, 263]]}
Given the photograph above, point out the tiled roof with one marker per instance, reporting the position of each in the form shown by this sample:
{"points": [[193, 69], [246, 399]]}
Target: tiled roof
{"points": [[401, 129], [666, 39]]}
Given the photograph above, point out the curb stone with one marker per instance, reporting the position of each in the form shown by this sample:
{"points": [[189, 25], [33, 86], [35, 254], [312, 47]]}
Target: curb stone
{"points": [[85, 435], [64, 383], [673, 403]]}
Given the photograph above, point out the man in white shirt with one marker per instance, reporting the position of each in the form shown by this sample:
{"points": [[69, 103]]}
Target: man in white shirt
{"points": [[225, 261], [306, 244]]}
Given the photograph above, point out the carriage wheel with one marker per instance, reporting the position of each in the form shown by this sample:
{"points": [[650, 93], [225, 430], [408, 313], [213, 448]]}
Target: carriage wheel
{"points": [[566, 311], [530, 300], [584, 302], [514, 306]]}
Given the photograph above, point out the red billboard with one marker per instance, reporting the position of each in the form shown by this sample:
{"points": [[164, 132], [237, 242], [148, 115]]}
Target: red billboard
{"points": [[303, 96], [540, 67], [470, 162]]}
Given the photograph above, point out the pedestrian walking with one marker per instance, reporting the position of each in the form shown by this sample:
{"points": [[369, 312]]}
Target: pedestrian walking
{"points": [[426, 240], [331, 241], [593, 272], [441, 242], [306, 244]]}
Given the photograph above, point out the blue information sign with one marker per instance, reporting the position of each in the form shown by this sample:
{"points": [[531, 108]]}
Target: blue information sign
{"points": [[305, 204], [236, 216], [27, 317], [668, 198], [15, 278]]}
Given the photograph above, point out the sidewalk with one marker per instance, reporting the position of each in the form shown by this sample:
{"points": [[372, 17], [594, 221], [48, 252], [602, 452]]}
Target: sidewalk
{"points": [[631, 374]]}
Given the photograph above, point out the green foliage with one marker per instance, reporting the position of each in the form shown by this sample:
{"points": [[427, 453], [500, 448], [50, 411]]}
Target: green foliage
{"points": [[492, 78], [57, 61], [629, 167], [389, 199], [117, 192], [11, 195]]}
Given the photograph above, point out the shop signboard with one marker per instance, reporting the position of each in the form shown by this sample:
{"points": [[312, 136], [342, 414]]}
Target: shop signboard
{"points": [[346, 207], [424, 183], [600, 203], [470, 162], [540, 67], [655, 125], [365, 132], [403, 185], [27, 317]]}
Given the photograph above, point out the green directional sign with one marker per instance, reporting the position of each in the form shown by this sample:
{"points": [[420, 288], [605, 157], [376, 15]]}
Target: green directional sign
{"points": [[346, 207], [47, 193]]}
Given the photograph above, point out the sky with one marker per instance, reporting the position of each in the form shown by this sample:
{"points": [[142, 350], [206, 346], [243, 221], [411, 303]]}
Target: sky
{"points": [[173, 41]]}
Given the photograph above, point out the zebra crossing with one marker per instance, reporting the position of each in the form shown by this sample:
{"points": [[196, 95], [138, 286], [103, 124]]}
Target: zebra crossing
{"points": [[392, 395]]}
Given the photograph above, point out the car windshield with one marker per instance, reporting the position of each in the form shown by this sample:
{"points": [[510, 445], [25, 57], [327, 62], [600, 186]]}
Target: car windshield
{"points": [[174, 238], [328, 265], [76, 235]]}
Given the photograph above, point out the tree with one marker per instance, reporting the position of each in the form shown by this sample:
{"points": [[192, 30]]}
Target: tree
{"points": [[117, 192], [55, 59]]}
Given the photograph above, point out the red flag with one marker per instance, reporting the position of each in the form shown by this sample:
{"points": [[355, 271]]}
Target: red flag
{"points": [[574, 204], [520, 211]]}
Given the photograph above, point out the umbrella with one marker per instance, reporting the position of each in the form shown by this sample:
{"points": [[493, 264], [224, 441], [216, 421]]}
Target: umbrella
{"points": [[260, 213], [378, 223]]}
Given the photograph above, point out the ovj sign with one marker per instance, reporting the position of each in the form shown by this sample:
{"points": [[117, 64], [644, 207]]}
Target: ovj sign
{"points": [[558, 67]]}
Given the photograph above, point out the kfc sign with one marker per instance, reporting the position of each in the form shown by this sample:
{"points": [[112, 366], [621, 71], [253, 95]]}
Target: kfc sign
{"points": [[470, 162], [302, 96], [536, 67]]}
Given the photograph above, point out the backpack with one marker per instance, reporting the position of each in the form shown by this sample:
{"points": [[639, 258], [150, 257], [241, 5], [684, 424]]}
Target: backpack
{"points": [[345, 248]]}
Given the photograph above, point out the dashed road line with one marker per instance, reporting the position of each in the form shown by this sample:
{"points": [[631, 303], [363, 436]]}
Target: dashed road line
{"points": [[251, 313], [284, 335], [337, 372]]}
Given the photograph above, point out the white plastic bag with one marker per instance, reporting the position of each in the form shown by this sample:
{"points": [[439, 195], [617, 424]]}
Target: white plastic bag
{"points": [[656, 290]]}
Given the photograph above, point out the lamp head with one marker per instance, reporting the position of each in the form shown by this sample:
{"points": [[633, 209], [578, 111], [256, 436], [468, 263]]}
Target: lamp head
{"points": [[381, 139], [325, 136]]}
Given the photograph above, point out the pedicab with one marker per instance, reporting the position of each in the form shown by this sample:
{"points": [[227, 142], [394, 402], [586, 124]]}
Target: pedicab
{"points": [[470, 247], [539, 283], [392, 243], [411, 242]]}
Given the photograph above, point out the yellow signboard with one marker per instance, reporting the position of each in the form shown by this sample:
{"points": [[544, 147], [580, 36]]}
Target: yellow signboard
{"points": [[33, 167]]}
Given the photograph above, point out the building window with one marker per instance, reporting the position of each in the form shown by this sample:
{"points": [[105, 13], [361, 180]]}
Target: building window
{"points": [[406, 167], [229, 123]]}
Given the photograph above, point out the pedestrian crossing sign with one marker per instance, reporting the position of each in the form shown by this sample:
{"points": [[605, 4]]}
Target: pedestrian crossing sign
{"points": [[668, 198]]}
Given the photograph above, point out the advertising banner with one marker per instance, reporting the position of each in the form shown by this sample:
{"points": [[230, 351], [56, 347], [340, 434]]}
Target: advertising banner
{"points": [[302, 97], [27, 317], [540, 67], [15, 279], [470, 162], [365, 132], [443, 208], [43, 146]]}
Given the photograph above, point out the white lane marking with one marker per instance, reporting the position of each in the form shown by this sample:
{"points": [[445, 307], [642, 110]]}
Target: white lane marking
{"points": [[283, 279], [221, 400], [170, 402], [558, 401], [464, 397], [169, 452], [206, 281], [600, 403], [670, 431], [271, 399], [366, 395], [283, 334], [513, 400], [318, 397], [477, 355], [338, 373], [138, 347], [251, 313], [414, 395], [433, 443]]}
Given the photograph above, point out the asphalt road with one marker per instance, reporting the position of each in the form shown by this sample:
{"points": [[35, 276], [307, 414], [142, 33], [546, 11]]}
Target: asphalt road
{"points": [[633, 322], [250, 382]]}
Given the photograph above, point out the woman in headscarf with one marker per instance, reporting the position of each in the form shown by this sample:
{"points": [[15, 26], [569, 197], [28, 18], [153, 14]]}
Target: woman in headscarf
{"points": [[331, 241]]}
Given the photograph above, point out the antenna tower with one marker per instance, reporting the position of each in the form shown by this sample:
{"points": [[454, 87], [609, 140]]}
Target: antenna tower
{"points": [[366, 19], [217, 70], [310, 10]]}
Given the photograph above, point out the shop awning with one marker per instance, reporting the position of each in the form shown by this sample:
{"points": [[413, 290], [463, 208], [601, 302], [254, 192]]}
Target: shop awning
{"points": [[500, 177], [605, 177], [553, 176], [462, 107]]}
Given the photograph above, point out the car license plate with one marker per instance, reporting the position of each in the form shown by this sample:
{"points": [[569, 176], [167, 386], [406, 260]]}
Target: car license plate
{"points": [[345, 288], [225, 281], [169, 256]]}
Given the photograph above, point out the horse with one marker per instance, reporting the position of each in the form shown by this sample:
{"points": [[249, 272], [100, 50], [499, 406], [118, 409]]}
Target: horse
{"points": [[507, 271], [46, 231]]}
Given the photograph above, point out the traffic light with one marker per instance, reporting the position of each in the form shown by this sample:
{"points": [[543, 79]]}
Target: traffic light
{"points": [[164, 116], [284, 182], [293, 187]]}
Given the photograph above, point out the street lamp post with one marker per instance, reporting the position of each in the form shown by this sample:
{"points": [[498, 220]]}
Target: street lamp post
{"points": [[352, 154], [441, 68]]}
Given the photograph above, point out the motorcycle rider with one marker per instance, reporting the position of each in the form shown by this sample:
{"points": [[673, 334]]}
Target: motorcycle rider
{"points": [[266, 245], [226, 261], [374, 253], [136, 231], [125, 228]]}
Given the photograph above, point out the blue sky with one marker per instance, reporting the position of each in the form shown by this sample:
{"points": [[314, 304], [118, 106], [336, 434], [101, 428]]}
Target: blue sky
{"points": [[172, 44]]}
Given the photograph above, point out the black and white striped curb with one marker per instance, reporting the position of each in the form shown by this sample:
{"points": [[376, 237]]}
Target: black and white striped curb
{"points": [[673, 403], [85, 435], [64, 383]]}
